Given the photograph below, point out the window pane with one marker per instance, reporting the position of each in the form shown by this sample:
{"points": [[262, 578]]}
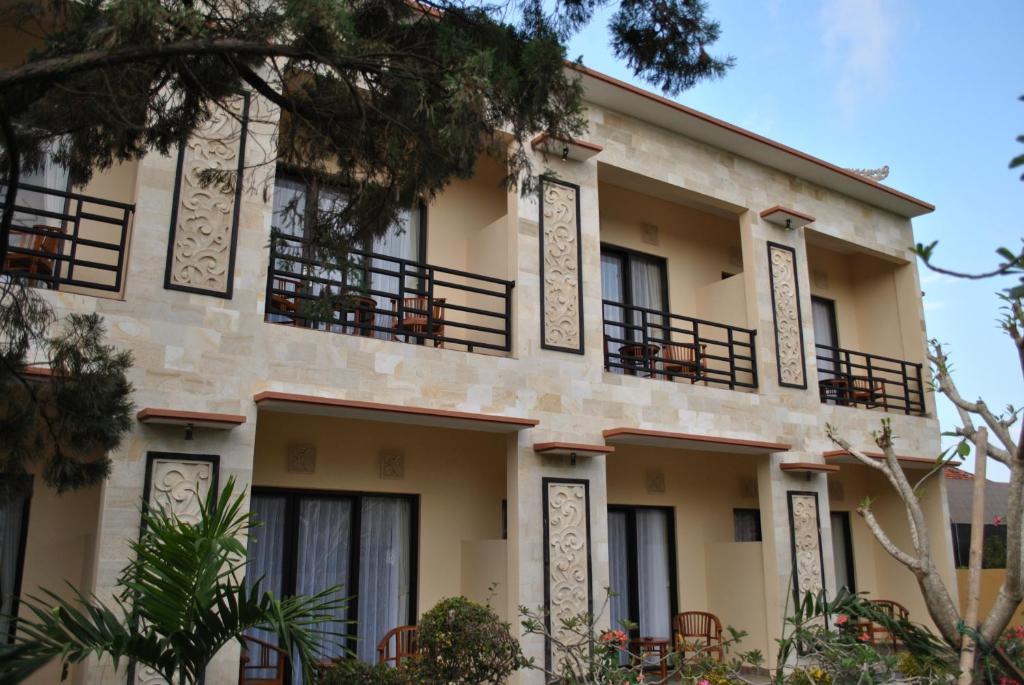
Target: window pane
{"points": [[747, 525], [653, 582]]}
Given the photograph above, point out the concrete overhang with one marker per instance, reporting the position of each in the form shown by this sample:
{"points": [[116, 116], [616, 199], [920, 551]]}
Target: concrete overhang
{"points": [[620, 96], [313, 405], [572, 449], [197, 419], [687, 441], [906, 461]]}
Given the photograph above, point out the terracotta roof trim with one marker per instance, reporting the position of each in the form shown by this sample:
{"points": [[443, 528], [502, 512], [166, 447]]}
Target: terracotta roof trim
{"points": [[683, 109], [710, 439], [270, 395], [839, 454], [808, 466]]}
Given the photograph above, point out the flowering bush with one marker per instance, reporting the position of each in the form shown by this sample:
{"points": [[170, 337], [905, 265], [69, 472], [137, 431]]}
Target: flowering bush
{"points": [[464, 643], [1012, 645]]}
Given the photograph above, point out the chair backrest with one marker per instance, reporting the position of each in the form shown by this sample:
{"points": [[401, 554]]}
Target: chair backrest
{"points": [[868, 385], [262, 663], [417, 306], [678, 353], [893, 610], [697, 624], [404, 640]]}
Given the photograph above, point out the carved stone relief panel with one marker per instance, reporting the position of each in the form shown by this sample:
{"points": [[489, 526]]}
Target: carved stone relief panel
{"points": [[789, 336], [566, 554], [179, 486], [204, 218], [808, 571], [560, 267]]}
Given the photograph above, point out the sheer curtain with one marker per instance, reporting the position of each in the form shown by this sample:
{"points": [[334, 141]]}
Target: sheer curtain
{"points": [[324, 552], [823, 316], [384, 570], [50, 175], [618, 571], [653, 583], [612, 289], [265, 549], [11, 523], [646, 285], [840, 547], [403, 241], [289, 218]]}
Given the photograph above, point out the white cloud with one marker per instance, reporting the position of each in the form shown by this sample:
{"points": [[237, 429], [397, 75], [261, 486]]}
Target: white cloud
{"points": [[857, 38]]}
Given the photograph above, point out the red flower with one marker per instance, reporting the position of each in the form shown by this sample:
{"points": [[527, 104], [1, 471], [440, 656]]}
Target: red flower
{"points": [[613, 637], [864, 637], [842, 620], [1007, 680], [997, 520]]}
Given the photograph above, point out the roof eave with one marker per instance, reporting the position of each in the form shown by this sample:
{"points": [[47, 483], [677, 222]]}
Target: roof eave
{"points": [[610, 92]]}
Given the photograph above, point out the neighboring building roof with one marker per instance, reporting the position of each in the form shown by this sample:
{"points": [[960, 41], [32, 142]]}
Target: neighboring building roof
{"points": [[618, 95], [960, 496]]}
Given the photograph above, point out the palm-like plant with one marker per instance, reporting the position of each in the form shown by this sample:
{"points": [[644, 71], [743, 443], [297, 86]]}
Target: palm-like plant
{"points": [[180, 600]]}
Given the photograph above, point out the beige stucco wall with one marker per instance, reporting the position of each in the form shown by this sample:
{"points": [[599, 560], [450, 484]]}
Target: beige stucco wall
{"points": [[991, 581], [60, 550], [714, 573], [205, 353], [459, 477]]}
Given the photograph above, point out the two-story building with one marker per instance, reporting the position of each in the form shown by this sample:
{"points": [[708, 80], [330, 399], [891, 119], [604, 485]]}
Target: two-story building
{"points": [[621, 381]]}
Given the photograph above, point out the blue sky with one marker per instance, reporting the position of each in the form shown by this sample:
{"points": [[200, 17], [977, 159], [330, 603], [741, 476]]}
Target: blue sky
{"points": [[929, 88]]}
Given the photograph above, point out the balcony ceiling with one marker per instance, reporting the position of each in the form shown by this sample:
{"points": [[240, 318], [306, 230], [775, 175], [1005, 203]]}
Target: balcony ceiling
{"points": [[687, 441]]}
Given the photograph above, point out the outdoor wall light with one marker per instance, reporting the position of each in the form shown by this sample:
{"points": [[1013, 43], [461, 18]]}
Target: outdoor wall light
{"points": [[785, 218]]}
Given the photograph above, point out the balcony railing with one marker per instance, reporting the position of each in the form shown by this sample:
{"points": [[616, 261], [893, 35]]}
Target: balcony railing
{"points": [[69, 239], [379, 296], [850, 378], [658, 344]]}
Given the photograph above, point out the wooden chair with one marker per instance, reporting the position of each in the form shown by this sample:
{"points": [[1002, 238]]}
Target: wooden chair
{"points": [[691, 627], [286, 305], [36, 265], [262, 663], [874, 631], [404, 640], [679, 360], [867, 391], [413, 320]]}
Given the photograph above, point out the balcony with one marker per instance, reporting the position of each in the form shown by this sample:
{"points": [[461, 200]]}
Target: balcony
{"points": [[646, 342], [69, 241], [379, 296], [850, 378]]}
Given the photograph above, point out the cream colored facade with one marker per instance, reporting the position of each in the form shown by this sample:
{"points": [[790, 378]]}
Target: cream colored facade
{"points": [[454, 434]]}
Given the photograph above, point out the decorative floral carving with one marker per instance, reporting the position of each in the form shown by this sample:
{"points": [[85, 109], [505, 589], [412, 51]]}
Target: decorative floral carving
{"points": [[144, 675], [568, 555], [806, 543], [180, 486], [560, 244], [205, 218], [786, 301]]}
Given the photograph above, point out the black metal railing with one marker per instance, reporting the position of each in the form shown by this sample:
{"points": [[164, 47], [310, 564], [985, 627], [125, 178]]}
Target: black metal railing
{"points": [[69, 239], [376, 295], [658, 344], [847, 377]]}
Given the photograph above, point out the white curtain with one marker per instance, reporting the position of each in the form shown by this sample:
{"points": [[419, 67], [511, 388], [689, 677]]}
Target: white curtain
{"points": [[384, 571], [52, 176], [265, 549], [653, 582], [840, 547], [402, 241], [324, 553], [823, 316], [618, 571], [612, 289], [646, 280], [289, 218], [11, 525]]}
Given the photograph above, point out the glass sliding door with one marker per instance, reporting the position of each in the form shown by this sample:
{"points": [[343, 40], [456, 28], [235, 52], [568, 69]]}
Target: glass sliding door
{"points": [[637, 282], [641, 558], [823, 314], [306, 543]]}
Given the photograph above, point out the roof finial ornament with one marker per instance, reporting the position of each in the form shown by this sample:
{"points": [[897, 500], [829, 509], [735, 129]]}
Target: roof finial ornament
{"points": [[878, 175]]}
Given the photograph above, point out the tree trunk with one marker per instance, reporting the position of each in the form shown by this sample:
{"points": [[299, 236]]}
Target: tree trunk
{"points": [[968, 646]]}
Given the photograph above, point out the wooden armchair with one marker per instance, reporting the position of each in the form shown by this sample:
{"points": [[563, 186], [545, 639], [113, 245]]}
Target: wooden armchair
{"points": [[867, 391], [404, 640], [680, 360], [879, 634], [692, 627], [413, 318], [286, 305], [36, 265], [262, 663]]}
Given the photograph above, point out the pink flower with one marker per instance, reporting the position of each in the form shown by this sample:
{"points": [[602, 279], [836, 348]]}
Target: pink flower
{"points": [[1007, 680], [998, 520], [703, 682], [864, 637], [842, 620], [613, 637], [1018, 632]]}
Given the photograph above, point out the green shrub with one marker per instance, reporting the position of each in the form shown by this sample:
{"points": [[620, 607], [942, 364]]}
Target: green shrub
{"points": [[356, 672], [464, 643]]}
